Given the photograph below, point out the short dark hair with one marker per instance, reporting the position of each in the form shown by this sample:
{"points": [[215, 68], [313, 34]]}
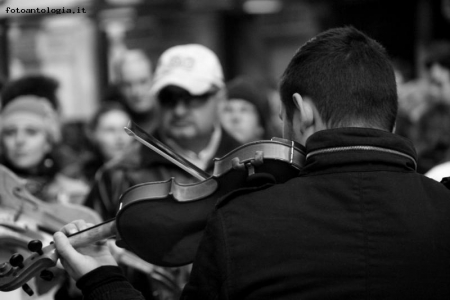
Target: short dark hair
{"points": [[347, 75]]}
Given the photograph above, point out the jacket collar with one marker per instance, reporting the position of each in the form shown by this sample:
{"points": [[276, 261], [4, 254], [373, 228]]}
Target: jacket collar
{"points": [[353, 149]]}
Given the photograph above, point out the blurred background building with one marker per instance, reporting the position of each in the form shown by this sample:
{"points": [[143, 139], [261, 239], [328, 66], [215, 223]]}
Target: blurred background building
{"points": [[251, 37]]}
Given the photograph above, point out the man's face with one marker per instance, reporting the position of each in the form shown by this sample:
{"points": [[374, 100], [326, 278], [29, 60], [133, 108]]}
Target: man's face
{"points": [[135, 85], [184, 118]]}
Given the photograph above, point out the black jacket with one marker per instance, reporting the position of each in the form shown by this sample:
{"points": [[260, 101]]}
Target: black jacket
{"points": [[358, 223]]}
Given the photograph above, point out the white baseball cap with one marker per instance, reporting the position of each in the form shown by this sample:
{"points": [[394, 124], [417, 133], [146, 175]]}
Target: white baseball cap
{"points": [[192, 67]]}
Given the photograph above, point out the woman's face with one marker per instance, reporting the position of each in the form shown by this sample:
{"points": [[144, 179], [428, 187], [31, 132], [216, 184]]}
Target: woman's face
{"points": [[240, 118], [25, 141], [109, 134]]}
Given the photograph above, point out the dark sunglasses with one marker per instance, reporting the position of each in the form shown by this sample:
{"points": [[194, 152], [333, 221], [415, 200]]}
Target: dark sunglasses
{"points": [[170, 99]]}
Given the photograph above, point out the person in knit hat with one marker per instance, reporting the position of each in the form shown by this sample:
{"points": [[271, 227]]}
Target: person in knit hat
{"points": [[29, 133], [37, 108], [245, 115]]}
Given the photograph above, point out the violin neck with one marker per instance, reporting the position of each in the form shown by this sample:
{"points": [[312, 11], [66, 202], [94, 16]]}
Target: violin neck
{"points": [[93, 234]]}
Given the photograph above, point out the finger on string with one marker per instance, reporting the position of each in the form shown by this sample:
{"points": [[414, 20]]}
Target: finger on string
{"points": [[70, 229], [80, 224]]}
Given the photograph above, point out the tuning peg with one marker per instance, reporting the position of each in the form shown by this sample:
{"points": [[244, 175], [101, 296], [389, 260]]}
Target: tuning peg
{"points": [[5, 268], [16, 260], [27, 289], [35, 246], [46, 275]]}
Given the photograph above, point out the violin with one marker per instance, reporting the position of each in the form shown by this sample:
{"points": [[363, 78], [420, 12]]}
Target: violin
{"points": [[162, 222], [48, 217], [176, 214]]}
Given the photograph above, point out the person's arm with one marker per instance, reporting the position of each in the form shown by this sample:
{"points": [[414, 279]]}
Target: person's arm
{"points": [[107, 283], [93, 267], [209, 271]]}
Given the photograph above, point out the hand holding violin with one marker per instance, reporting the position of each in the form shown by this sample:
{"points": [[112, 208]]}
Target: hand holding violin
{"points": [[84, 259]]}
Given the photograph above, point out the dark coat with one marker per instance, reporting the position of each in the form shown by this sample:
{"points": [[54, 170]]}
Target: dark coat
{"points": [[358, 223]]}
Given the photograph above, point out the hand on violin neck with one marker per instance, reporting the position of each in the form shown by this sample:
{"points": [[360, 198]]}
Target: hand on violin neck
{"points": [[80, 261]]}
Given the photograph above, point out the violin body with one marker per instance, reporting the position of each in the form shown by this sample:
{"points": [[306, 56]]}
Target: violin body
{"points": [[163, 222]]}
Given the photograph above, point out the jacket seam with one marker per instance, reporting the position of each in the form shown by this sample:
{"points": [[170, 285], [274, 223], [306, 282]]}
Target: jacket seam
{"points": [[359, 184], [226, 278]]}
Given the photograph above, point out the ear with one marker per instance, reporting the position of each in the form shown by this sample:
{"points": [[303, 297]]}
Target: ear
{"points": [[305, 109], [307, 119]]}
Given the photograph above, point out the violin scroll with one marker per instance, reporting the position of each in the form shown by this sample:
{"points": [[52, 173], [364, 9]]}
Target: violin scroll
{"points": [[18, 271]]}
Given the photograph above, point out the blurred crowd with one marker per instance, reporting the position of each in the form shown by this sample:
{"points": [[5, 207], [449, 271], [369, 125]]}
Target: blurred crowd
{"points": [[186, 103], [424, 101]]}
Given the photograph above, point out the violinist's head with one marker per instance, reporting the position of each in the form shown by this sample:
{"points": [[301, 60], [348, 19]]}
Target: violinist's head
{"points": [[189, 86], [29, 130], [340, 78]]}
